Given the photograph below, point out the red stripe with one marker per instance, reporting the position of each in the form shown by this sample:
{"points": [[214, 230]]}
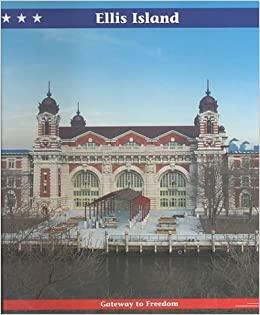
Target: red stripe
{"points": [[121, 304]]}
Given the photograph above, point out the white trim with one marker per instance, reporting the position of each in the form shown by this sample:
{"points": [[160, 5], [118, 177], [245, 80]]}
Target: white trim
{"points": [[86, 168], [130, 168], [175, 132], [131, 131], [88, 132], [170, 168], [123, 168]]}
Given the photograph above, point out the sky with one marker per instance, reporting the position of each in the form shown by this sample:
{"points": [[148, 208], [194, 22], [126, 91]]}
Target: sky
{"points": [[129, 76]]}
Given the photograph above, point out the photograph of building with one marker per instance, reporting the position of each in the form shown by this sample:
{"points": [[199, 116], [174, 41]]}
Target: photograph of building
{"points": [[130, 156]]}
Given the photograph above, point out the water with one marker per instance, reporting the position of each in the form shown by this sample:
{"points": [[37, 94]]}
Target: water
{"points": [[50, 275]]}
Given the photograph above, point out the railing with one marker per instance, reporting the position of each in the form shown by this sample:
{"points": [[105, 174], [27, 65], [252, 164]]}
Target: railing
{"points": [[183, 238], [39, 240]]}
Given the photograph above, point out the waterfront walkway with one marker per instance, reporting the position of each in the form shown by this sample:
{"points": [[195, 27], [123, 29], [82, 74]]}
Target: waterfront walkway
{"points": [[139, 237], [189, 225]]}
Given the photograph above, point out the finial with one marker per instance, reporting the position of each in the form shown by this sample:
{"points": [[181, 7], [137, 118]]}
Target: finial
{"points": [[78, 112], [208, 91], [49, 89]]}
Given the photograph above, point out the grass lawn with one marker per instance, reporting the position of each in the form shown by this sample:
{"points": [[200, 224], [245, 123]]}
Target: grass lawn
{"points": [[232, 224], [18, 223]]}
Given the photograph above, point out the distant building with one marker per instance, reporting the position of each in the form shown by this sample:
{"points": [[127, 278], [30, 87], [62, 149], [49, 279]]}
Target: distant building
{"points": [[16, 181], [244, 180]]}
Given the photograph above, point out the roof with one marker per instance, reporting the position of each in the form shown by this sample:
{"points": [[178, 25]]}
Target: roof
{"points": [[244, 153], [15, 151], [126, 194], [111, 132]]}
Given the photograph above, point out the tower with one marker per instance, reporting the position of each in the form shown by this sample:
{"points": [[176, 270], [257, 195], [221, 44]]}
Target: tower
{"points": [[47, 158], [212, 136], [210, 155], [48, 124]]}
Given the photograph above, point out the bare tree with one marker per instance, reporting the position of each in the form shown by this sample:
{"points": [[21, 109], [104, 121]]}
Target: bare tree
{"points": [[237, 272], [44, 257], [222, 275], [211, 184], [16, 193], [47, 273]]}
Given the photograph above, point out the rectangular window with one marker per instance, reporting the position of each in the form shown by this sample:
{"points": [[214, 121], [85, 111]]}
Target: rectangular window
{"points": [[18, 182], [11, 163], [45, 176], [245, 163], [11, 182], [45, 182], [245, 181], [90, 145]]}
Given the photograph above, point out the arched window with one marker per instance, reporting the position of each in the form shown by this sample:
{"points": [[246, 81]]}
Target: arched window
{"points": [[86, 188], [245, 200], [209, 126], [130, 179], [46, 128], [173, 190]]}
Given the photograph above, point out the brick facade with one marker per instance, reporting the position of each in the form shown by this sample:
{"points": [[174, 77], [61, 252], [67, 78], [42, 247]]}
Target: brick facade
{"points": [[45, 181], [16, 188]]}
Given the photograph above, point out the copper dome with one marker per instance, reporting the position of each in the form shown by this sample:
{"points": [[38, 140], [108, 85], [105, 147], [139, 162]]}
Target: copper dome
{"points": [[49, 104], [78, 121], [208, 102]]}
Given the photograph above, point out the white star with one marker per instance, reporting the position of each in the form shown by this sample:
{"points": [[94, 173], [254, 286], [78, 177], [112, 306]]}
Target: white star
{"points": [[37, 18], [21, 18], [6, 18]]}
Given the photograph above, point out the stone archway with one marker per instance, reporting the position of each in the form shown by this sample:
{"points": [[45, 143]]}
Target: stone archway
{"points": [[130, 179], [86, 188], [173, 190]]}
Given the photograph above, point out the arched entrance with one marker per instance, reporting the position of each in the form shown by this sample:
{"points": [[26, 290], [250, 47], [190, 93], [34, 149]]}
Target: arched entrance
{"points": [[130, 179], [85, 188], [173, 190]]}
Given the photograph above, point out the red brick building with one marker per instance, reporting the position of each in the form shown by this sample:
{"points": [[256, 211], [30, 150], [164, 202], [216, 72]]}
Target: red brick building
{"points": [[16, 181], [76, 164], [244, 180]]}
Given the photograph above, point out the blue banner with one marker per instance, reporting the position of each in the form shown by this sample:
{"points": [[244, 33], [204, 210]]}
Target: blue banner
{"points": [[130, 18]]}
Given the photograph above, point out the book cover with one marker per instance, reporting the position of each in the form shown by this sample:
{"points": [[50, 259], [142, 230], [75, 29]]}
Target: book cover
{"points": [[130, 156]]}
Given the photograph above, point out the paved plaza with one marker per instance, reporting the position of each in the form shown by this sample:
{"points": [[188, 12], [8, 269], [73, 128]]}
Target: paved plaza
{"points": [[94, 237]]}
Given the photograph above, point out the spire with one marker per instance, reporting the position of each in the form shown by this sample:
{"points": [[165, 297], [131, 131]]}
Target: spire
{"points": [[49, 89], [78, 121], [207, 91]]}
